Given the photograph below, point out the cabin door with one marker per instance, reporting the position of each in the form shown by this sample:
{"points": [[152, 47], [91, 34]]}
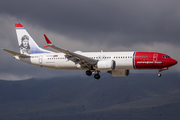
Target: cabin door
{"points": [[40, 59]]}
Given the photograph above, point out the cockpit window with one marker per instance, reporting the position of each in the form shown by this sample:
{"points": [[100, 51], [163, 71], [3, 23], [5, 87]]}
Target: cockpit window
{"points": [[166, 56]]}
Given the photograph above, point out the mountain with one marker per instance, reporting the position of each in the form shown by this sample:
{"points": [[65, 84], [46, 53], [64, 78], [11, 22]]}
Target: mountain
{"points": [[138, 96]]}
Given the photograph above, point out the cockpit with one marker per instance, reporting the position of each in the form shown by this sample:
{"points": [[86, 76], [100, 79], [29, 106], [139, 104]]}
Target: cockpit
{"points": [[166, 56]]}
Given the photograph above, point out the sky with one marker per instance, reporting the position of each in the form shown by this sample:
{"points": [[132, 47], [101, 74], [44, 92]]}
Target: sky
{"points": [[88, 25]]}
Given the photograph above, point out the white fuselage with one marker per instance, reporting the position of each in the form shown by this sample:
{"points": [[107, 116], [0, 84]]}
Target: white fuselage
{"points": [[124, 60]]}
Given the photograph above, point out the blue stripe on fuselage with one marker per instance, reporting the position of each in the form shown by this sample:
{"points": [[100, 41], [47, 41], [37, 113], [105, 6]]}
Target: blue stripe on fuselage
{"points": [[134, 60]]}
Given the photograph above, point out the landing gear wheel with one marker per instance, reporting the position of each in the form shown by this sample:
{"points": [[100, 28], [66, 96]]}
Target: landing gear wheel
{"points": [[97, 76], [88, 73], [159, 74]]}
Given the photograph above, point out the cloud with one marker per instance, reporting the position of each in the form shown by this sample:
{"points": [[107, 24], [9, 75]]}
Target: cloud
{"points": [[11, 77], [102, 21]]}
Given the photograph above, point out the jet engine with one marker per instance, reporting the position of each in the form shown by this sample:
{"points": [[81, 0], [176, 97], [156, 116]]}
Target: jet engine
{"points": [[106, 65]]}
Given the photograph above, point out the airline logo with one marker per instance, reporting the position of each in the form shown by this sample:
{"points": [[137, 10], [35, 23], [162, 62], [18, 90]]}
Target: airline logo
{"points": [[55, 56]]}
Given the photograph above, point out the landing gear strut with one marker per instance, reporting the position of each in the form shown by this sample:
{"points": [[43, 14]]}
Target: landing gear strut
{"points": [[159, 74]]}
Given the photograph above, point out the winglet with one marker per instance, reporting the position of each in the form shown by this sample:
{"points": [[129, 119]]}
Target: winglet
{"points": [[48, 41]]}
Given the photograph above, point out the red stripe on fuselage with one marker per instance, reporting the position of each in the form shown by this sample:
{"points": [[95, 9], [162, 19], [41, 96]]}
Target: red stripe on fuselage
{"points": [[151, 60]]}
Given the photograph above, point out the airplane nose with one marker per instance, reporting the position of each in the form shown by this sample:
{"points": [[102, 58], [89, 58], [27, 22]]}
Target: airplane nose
{"points": [[173, 62]]}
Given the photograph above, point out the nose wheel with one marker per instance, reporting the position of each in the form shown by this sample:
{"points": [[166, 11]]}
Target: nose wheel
{"points": [[159, 74]]}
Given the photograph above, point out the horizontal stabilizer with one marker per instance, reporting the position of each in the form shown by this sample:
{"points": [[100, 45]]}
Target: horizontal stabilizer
{"points": [[15, 53]]}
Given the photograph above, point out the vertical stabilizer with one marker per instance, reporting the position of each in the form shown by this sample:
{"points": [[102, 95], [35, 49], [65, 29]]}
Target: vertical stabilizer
{"points": [[26, 43]]}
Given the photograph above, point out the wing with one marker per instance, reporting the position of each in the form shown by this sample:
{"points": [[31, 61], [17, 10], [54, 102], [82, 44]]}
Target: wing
{"points": [[76, 58], [15, 53]]}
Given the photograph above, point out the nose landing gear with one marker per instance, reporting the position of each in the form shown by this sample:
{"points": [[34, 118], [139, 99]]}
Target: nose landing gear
{"points": [[159, 74]]}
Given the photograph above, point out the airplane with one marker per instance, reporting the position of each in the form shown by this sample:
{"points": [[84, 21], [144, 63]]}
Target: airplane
{"points": [[116, 63]]}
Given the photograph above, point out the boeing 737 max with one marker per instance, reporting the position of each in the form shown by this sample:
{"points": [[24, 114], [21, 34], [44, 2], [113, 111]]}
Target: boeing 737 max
{"points": [[116, 63]]}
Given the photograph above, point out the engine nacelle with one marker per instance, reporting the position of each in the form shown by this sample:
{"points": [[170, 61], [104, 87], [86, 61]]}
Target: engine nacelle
{"points": [[119, 73], [106, 65]]}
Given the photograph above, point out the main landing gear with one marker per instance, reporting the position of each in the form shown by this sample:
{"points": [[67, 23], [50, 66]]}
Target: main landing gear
{"points": [[96, 76], [88, 73]]}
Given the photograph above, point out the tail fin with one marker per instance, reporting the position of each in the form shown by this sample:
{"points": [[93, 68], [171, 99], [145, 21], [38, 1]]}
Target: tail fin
{"points": [[26, 43]]}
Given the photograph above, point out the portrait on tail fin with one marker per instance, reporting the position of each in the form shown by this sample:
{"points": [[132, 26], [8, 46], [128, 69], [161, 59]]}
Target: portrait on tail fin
{"points": [[24, 46]]}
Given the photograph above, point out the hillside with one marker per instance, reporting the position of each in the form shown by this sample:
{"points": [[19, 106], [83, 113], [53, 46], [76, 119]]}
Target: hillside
{"points": [[138, 96]]}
